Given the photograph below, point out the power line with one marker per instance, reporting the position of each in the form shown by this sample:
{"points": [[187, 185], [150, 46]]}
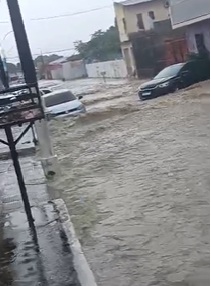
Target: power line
{"points": [[72, 14], [65, 15], [58, 51], [44, 53]]}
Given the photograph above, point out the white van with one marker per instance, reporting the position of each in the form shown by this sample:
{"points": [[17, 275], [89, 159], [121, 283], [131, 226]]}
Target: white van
{"points": [[62, 103]]}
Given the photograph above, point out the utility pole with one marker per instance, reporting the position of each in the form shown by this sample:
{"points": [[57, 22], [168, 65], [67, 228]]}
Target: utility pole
{"points": [[48, 159], [43, 65], [3, 74]]}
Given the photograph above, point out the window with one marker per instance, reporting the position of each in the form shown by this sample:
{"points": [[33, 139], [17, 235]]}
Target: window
{"points": [[115, 22], [58, 98], [140, 23], [124, 25], [152, 15], [200, 43], [169, 71]]}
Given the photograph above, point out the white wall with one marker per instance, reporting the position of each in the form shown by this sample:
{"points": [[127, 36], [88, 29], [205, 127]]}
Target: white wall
{"points": [[129, 13], [57, 73], [112, 69], [120, 14], [73, 70], [198, 28], [160, 12]]}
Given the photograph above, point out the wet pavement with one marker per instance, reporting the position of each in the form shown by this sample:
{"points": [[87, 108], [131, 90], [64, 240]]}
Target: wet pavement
{"points": [[27, 257], [136, 183], [25, 145]]}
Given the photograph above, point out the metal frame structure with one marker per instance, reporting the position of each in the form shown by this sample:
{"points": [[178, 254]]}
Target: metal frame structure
{"points": [[20, 104]]}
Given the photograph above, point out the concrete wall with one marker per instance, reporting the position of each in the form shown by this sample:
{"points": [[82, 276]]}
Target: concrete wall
{"points": [[129, 13], [69, 70], [73, 70], [57, 73], [111, 69], [198, 28], [127, 53], [120, 15]]}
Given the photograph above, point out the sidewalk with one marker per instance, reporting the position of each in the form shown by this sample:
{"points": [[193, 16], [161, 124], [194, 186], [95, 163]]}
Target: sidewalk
{"points": [[25, 146], [56, 258], [53, 265]]}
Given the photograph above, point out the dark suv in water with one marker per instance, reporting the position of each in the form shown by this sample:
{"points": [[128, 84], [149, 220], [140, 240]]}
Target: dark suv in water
{"points": [[175, 77]]}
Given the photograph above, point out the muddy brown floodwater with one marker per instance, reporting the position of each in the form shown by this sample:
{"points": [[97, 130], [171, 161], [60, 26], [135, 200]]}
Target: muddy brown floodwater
{"points": [[136, 183]]}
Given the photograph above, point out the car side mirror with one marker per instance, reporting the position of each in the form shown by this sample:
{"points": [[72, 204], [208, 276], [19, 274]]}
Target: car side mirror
{"points": [[80, 97]]}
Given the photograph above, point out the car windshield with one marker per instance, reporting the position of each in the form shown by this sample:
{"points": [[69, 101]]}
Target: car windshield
{"points": [[169, 71], [46, 91], [58, 98]]}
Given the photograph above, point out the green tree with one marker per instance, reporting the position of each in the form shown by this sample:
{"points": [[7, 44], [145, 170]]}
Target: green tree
{"points": [[101, 47], [46, 59]]}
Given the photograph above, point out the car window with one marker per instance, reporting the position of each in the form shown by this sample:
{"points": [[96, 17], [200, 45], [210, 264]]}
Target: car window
{"points": [[45, 91], [169, 71], [58, 98], [189, 66]]}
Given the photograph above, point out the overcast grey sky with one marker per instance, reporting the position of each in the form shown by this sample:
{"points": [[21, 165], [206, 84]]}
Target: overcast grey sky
{"points": [[59, 33]]}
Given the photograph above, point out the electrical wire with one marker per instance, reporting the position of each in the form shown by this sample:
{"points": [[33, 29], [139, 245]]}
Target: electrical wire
{"points": [[65, 15], [71, 14], [44, 53]]}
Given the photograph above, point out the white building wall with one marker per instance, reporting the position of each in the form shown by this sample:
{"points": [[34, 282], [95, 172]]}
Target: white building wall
{"points": [[160, 12], [198, 28], [57, 73], [109, 69], [129, 14], [73, 70]]}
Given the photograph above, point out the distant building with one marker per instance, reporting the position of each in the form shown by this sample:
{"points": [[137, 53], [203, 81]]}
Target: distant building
{"points": [[145, 31], [194, 16], [66, 68], [54, 69]]}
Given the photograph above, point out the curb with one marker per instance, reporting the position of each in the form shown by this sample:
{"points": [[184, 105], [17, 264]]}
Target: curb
{"points": [[85, 274], [29, 151]]}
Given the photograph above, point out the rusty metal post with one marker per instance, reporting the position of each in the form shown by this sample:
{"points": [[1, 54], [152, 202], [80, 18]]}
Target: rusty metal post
{"points": [[19, 175], [22, 43]]}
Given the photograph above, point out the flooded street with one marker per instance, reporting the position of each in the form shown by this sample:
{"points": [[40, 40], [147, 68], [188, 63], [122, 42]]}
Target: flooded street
{"points": [[135, 178]]}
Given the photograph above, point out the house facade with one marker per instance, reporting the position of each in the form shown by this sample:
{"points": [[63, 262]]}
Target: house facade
{"points": [[66, 68], [146, 36], [194, 16]]}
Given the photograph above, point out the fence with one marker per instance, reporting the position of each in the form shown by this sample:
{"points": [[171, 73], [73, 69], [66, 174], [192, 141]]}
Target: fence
{"points": [[73, 70], [109, 69]]}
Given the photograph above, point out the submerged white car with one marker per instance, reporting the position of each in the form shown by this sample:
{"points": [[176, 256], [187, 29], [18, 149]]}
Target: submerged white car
{"points": [[62, 103]]}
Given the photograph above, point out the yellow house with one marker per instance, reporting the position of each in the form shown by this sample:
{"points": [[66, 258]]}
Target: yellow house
{"points": [[134, 16]]}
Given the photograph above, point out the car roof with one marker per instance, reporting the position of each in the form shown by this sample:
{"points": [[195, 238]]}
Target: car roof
{"points": [[56, 92], [177, 64]]}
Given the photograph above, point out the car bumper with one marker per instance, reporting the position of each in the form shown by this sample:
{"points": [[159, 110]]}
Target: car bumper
{"points": [[68, 114], [153, 93], [74, 113]]}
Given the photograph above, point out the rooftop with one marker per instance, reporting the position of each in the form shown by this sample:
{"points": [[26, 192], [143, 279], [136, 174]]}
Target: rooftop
{"points": [[58, 61], [132, 2]]}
